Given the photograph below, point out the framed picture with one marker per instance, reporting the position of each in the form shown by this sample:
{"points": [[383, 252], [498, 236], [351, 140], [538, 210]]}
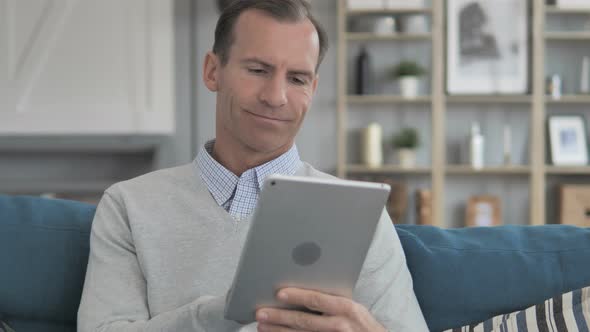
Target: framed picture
{"points": [[575, 205], [567, 140], [483, 211], [487, 46]]}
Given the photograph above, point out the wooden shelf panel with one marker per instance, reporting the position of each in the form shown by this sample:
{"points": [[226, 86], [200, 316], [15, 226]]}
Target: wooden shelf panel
{"points": [[387, 169], [569, 99], [559, 10], [490, 170], [578, 35], [390, 11], [557, 170], [490, 99], [362, 36], [386, 99]]}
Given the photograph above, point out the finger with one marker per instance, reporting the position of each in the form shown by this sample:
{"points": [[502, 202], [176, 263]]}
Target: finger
{"points": [[275, 328], [296, 320], [329, 304]]}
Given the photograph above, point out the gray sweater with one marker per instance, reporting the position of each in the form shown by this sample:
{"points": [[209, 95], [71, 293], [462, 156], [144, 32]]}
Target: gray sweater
{"points": [[163, 255]]}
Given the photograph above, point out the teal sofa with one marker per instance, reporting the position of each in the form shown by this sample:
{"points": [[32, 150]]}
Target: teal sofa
{"points": [[461, 276]]}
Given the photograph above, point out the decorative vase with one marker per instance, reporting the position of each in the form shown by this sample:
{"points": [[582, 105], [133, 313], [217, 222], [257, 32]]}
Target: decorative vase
{"points": [[372, 153], [407, 158], [409, 86]]}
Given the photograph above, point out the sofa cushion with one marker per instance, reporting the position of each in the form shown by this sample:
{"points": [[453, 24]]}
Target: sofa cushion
{"points": [[44, 248], [29, 325], [4, 327], [566, 312], [461, 276], [465, 276]]}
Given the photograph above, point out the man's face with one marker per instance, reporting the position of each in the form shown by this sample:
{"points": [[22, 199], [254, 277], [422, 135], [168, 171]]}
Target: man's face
{"points": [[266, 87]]}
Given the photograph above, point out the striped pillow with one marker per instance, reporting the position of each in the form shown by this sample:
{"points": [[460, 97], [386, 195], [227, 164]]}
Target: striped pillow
{"points": [[4, 327], [566, 312]]}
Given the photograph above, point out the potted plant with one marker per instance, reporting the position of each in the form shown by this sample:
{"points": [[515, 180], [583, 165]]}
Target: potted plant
{"points": [[406, 142], [407, 73]]}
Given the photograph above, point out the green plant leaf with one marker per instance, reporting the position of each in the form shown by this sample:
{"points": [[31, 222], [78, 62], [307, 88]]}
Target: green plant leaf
{"points": [[407, 68], [407, 138]]}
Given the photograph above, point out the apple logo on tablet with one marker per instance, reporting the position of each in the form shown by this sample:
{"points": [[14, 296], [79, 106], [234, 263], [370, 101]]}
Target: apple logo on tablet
{"points": [[306, 253]]}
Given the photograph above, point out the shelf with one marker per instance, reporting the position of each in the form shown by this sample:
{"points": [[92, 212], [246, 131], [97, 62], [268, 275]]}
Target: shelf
{"points": [[490, 170], [569, 99], [528, 107], [358, 12], [577, 35], [490, 99], [558, 10], [387, 99], [365, 36], [574, 170], [387, 169]]}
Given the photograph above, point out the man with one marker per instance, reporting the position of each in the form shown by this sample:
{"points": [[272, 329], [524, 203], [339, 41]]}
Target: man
{"points": [[165, 246]]}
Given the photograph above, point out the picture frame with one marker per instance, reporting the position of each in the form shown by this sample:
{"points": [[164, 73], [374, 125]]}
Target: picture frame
{"points": [[567, 140], [486, 52], [483, 211], [574, 206]]}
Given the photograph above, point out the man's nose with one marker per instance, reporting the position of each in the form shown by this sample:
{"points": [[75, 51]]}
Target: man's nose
{"points": [[274, 93]]}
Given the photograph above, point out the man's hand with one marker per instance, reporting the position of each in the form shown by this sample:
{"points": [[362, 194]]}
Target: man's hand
{"points": [[339, 314]]}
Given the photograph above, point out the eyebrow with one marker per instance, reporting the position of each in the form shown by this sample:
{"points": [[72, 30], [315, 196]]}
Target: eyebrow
{"points": [[266, 65]]}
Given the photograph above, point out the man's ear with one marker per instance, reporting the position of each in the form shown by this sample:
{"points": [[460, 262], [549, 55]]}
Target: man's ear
{"points": [[211, 67], [314, 84]]}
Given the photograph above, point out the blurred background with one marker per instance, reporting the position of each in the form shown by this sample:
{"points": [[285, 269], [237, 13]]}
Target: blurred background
{"points": [[475, 111]]}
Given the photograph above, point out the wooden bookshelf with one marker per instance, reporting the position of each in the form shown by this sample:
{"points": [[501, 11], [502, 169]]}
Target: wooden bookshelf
{"points": [[569, 99], [387, 169], [568, 36], [440, 105], [362, 36], [565, 170], [398, 11], [558, 10], [387, 99], [489, 170], [490, 99]]}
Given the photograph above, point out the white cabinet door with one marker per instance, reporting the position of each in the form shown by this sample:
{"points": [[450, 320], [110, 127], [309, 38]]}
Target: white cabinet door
{"points": [[86, 67]]}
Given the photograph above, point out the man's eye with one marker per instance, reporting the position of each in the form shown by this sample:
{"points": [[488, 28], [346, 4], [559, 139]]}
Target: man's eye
{"points": [[298, 81], [257, 71]]}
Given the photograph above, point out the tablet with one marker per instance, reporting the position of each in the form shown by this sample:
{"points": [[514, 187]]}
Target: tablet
{"points": [[310, 233]]}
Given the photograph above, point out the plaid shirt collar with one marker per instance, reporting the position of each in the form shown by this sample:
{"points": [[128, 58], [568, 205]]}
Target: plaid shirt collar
{"points": [[222, 183]]}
